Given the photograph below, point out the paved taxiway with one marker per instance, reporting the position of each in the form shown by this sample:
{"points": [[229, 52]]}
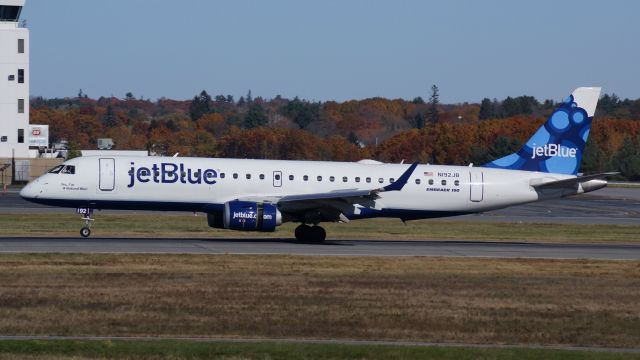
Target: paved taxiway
{"points": [[619, 206], [609, 206], [330, 248]]}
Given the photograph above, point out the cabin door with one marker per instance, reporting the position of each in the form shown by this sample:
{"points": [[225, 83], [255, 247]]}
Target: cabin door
{"points": [[476, 186], [107, 180]]}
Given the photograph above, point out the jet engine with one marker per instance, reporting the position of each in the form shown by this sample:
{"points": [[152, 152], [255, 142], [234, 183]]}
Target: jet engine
{"points": [[248, 216]]}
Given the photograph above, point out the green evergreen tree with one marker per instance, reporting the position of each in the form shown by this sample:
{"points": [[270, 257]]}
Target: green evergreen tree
{"points": [[510, 107], [433, 105], [627, 160], [418, 121], [486, 109], [255, 117], [594, 160], [353, 138], [74, 150], [302, 113], [502, 147], [200, 105], [417, 100], [109, 118]]}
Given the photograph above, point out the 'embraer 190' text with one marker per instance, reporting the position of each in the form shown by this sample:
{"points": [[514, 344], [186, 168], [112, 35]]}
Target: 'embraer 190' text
{"points": [[169, 173], [553, 150]]}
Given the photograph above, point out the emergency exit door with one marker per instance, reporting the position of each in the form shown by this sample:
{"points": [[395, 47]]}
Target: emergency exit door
{"points": [[277, 178], [476, 186], [107, 179]]}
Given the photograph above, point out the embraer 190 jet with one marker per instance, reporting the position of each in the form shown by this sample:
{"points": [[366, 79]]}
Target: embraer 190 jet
{"points": [[259, 195]]}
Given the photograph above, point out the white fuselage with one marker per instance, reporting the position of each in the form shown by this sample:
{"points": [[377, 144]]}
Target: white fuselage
{"points": [[206, 184]]}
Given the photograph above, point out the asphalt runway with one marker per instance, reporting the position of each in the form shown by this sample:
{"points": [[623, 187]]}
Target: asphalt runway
{"points": [[608, 206], [329, 248]]}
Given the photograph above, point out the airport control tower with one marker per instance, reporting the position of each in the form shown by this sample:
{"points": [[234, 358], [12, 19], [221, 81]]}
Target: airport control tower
{"points": [[14, 81]]}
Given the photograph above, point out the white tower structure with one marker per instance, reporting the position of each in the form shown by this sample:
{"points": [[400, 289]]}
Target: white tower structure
{"points": [[14, 81]]}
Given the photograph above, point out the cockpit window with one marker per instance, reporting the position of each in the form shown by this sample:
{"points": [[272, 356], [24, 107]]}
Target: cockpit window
{"points": [[56, 169], [69, 169]]}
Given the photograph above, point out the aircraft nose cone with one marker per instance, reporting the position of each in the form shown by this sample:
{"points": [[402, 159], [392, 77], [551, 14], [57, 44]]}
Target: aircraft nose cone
{"points": [[30, 190]]}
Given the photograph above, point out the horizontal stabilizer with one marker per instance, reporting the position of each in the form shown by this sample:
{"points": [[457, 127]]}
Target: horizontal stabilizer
{"points": [[572, 182]]}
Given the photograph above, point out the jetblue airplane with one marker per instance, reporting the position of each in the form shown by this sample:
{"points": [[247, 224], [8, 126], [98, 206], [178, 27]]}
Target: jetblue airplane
{"points": [[259, 195]]}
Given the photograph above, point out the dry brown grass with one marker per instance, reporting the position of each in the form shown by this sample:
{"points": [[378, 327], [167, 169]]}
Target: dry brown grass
{"points": [[428, 299]]}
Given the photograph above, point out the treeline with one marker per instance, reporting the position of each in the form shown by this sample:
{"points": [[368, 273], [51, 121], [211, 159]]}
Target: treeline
{"points": [[378, 128]]}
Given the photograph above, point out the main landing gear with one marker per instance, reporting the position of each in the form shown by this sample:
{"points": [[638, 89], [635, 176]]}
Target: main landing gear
{"points": [[86, 213], [314, 234]]}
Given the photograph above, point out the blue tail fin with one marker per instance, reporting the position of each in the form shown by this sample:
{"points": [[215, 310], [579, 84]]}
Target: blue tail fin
{"points": [[558, 145]]}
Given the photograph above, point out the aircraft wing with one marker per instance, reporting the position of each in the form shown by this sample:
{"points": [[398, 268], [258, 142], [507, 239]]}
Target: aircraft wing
{"points": [[337, 200]]}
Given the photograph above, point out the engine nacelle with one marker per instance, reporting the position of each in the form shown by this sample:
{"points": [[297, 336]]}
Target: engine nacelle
{"points": [[251, 216]]}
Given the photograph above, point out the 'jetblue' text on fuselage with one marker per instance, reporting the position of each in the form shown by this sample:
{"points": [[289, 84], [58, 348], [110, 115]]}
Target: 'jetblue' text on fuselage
{"points": [[169, 173]]}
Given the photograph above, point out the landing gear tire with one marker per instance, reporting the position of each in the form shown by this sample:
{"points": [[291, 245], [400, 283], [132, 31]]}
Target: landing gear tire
{"points": [[302, 231], [313, 234], [85, 232], [317, 234]]}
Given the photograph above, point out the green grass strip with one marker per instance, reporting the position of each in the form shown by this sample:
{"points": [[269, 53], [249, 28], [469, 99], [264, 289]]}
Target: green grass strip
{"points": [[184, 349]]}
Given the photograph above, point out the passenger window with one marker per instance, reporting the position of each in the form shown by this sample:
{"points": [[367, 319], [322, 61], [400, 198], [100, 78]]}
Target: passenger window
{"points": [[222, 175], [368, 179], [332, 178], [380, 180], [319, 178], [235, 175], [248, 176], [391, 180], [261, 176], [305, 178], [456, 183], [357, 179], [277, 176], [344, 179], [430, 181], [418, 181], [56, 169], [444, 182], [69, 169], [291, 177]]}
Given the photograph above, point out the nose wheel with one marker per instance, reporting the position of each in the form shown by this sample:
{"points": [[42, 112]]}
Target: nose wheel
{"points": [[86, 213], [314, 234], [85, 231]]}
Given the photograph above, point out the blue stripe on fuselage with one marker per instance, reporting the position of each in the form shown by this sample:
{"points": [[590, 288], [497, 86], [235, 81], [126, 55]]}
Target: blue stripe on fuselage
{"points": [[216, 208]]}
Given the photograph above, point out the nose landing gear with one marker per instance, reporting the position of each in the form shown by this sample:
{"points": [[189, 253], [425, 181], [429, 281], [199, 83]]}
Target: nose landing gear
{"points": [[314, 234], [86, 213]]}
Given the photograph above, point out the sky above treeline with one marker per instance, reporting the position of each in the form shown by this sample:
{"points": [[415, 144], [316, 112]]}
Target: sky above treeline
{"points": [[332, 49]]}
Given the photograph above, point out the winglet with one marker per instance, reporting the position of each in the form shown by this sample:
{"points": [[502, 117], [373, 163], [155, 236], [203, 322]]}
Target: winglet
{"points": [[402, 180]]}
